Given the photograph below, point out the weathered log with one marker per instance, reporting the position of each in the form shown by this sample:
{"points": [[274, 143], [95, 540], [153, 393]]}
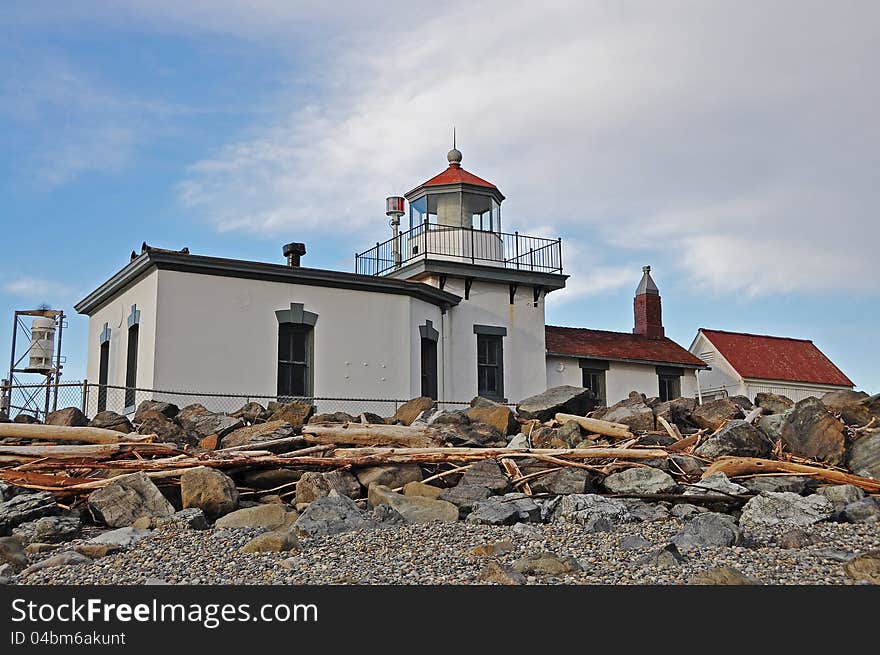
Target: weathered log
{"points": [[371, 434], [66, 433], [468, 454], [96, 451], [671, 429], [262, 445], [605, 428], [515, 474], [744, 466]]}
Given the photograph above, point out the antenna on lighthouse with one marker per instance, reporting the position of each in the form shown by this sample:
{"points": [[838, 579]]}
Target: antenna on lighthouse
{"points": [[394, 209]]}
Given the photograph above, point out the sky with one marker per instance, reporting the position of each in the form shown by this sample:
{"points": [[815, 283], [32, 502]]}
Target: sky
{"points": [[734, 147]]}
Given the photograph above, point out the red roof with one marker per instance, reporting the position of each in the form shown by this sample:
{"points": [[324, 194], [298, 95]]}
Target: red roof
{"points": [[600, 344], [776, 358], [455, 174]]}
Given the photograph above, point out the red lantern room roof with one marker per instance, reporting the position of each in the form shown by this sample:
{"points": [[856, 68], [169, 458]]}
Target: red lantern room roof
{"points": [[455, 174]]}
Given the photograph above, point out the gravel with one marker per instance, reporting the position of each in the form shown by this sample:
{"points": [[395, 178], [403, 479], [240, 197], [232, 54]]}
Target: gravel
{"points": [[440, 553]]}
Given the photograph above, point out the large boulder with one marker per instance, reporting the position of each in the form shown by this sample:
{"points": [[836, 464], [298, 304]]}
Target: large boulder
{"points": [[707, 529], [811, 431], [108, 420], [393, 476], [332, 515], [712, 415], [210, 490], [168, 410], [486, 473], [854, 407], [864, 455], [155, 422], [414, 509], [197, 420], [333, 417], [498, 416], [251, 412], [565, 399], [69, 416], [567, 480], [126, 499], [473, 435], [505, 510], [255, 434], [676, 411], [313, 485], [465, 497], [48, 530], [770, 509], [771, 403], [410, 410], [632, 412], [865, 510], [737, 438], [794, 483], [296, 413], [639, 480], [771, 425], [272, 516], [25, 507], [717, 483], [583, 509]]}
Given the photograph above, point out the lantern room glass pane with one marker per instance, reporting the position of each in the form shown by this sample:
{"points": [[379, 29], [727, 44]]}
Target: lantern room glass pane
{"points": [[478, 210], [418, 211], [444, 209]]}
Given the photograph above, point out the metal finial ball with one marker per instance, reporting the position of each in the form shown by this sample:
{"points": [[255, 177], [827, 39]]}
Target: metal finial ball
{"points": [[454, 156]]}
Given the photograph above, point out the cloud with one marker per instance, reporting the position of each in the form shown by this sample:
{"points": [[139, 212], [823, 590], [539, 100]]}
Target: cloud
{"points": [[35, 289]]}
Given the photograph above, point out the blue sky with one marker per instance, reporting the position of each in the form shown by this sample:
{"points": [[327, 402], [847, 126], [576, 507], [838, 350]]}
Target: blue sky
{"points": [[734, 148]]}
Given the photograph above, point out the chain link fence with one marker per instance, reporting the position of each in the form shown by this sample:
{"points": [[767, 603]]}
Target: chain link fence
{"points": [[92, 398]]}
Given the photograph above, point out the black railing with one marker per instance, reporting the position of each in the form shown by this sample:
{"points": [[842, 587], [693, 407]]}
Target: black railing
{"points": [[429, 240]]}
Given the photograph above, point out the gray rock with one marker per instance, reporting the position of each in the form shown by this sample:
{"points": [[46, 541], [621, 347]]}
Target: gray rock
{"points": [[272, 516], [486, 473], [811, 431], [464, 496], [415, 509], [864, 455], [713, 414], [737, 438], [581, 508], [207, 424], [192, 518], [686, 464], [474, 435], [567, 480], [270, 478], [866, 510], [677, 411], [108, 420], [632, 412], [169, 410], [686, 510], [797, 539], [334, 514], [772, 403], [387, 515], [251, 412], [854, 407], [526, 530], [546, 563], [644, 512], [393, 476], [771, 426], [770, 509], [69, 416], [154, 422], [708, 529], [667, 557], [717, 483], [128, 498], [210, 490], [564, 399], [48, 530], [259, 433], [313, 485], [633, 542], [25, 507], [505, 510], [519, 441], [121, 538], [68, 558], [12, 554], [841, 494], [639, 480], [794, 483]]}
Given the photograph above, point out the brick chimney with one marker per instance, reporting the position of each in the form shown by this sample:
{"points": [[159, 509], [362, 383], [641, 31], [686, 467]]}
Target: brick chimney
{"points": [[646, 307]]}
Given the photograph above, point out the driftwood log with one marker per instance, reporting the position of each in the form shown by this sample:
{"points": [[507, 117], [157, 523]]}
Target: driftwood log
{"points": [[744, 466], [469, 454], [605, 428], [371, 434], [94, 451], [64, 433]]}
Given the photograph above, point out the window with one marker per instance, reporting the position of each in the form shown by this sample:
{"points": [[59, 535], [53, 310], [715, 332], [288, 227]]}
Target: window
{"points": [[429, 368], [490, 370], [294, 359], [669, 379], [103, 369], [131, 365], [594, 380]]}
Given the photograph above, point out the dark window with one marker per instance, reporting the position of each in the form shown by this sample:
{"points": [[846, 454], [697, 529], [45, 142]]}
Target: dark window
{"points": [[103, 367], [670, 387], [490, 369], [131, 365], [294, 355], [594, 380], [429, 368]]}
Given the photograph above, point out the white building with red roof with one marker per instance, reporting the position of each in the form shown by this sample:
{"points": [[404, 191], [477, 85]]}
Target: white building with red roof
{"points": [[748, 364]]}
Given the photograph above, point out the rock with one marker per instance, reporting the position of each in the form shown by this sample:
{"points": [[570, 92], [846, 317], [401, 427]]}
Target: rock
{"points": [[639, 480], [154, 422], [421, 489], [388, 516], [544, 437], [737, 438], [794, 483], [272, 517], [270, 478], [333, 417], [645, 512], [210, 490], [108, 420], [708, 529], [564, 399], [166, 409], [564, 481], [68, 558], [313, 485], [49, 529], [25, 507], [712, 415], [676, 411], [811, 431], [255, 434], [864, 456], [191, 518], [296, 413], [771, 425], [498, 416], [332, 515], [496, 573], [12, 553], [570, 433], [854, 407], [121, 538], [770, 509], [686, 464], [210, 424], [865, 568], [493, 549], [479, 401], [685, 511], [772, 403], [415, 509], [69, 416], [464, 497], [633, 542], [126, 499], [519, 441], [370, 417], [743, 402], [796, 539], [866, 510], [394, 476], [486, 473], [841, 494], [723, 575], [37, 547], [582, 508], [25, 418], [96, 551], [632, 412], [474, 435], [272, 542], [410, 410], [251, 412], [667, 557], [546, 563], [505, 510], [717, 483]]}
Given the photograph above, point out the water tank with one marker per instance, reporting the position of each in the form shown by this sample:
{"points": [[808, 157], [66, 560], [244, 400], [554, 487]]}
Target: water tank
{"points": [[42, 344]]}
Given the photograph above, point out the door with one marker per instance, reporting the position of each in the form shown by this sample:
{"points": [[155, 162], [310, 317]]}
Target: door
{"points": [[429, 368]]}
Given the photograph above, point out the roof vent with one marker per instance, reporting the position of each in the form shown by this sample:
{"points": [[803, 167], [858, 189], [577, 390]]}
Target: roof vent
{"points": [[293, 252]]}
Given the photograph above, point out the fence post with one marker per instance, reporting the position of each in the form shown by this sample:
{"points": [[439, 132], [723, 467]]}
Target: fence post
{"points": [[85, 397], [516, 246]]}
